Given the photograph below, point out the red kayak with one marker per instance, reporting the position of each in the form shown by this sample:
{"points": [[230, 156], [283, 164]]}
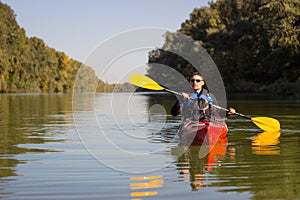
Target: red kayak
{"points": [[207, 133]]}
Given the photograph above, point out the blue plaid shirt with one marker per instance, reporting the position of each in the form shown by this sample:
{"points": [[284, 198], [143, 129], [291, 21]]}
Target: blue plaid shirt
{"points": [[197, 95]]}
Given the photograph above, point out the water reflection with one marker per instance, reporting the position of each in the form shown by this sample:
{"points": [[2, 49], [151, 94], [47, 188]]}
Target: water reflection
{"points": [[266, 143], [26, 121], [117, 129], [196, 165], [142, 186], [250, 165]]}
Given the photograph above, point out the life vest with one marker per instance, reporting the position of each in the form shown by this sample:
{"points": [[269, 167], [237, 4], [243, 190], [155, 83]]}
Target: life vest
{"points": [[196, 109]]}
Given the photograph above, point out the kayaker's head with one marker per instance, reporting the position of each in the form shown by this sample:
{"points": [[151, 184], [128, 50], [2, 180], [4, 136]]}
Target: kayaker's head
{"points": [[197, 81]]}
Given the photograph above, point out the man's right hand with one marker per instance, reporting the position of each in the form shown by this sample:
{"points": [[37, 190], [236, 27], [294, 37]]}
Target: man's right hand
{"points": [[185, 96]]}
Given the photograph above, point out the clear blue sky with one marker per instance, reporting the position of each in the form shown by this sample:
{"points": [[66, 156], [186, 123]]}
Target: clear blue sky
{"points": [[76, 27]]}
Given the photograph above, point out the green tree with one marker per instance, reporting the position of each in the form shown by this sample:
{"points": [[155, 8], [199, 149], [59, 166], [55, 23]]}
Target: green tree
{"points": [[253, 42], [29, 65]]}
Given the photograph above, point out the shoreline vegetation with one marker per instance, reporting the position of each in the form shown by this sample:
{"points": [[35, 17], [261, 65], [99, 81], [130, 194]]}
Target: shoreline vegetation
{"points": [[255, 44], [28, 65]]}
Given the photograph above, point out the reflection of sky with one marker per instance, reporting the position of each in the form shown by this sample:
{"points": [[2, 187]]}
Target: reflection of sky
{"points": [[118, 131], [125, 119]]}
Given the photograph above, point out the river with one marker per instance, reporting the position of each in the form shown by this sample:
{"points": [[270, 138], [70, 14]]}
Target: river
{"points": [[125, 146]]}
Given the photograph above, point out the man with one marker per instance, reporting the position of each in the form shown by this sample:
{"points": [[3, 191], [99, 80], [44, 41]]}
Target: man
{"points": [[196, 106]]}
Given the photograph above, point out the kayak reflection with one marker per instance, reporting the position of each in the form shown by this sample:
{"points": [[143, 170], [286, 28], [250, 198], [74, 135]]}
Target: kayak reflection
{"points": [[266, 143], [193, 163]]}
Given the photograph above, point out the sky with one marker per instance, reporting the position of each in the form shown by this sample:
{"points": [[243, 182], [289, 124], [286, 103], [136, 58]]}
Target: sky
{"points": [[90, 31]]}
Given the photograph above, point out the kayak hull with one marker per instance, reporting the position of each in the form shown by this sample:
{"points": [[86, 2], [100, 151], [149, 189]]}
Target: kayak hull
{"points": [[204, 133]]}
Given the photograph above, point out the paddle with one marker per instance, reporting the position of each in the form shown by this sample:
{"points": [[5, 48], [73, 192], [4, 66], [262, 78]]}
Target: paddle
{"points": [[264, 123], [147, 83]]}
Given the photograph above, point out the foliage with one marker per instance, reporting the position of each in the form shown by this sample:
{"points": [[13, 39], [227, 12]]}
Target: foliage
{"points": [[253, 42], [29, 65]]}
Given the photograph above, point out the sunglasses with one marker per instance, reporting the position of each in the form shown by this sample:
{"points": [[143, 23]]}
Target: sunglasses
{"points": [[195, 80]]}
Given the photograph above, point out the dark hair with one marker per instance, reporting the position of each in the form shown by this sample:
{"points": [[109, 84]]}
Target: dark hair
{"points": [[196, 73]]}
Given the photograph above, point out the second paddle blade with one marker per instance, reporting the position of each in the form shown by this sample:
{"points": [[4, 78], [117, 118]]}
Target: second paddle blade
{"points": [[266, 123], [144, 82]]}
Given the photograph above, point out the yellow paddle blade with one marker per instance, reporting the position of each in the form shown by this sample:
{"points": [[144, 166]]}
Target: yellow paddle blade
{"points": [[266, 123], [144, 82]]}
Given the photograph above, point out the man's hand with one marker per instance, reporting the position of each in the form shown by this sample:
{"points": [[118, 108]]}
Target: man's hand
{"points": [[231, 111], [185, 96]]}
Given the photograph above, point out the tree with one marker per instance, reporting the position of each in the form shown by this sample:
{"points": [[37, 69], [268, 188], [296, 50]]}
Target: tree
{"points": [[253, 42], [29, 65]]}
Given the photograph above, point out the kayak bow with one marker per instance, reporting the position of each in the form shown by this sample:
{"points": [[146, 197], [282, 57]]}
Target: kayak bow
{"points": [[203, 133]]}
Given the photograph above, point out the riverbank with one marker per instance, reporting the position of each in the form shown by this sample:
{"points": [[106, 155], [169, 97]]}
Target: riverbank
{"points": [[278, 89]]}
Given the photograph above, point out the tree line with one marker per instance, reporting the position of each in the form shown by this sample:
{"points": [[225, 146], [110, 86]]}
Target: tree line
{"points": [[29, 65], [254, 43]]}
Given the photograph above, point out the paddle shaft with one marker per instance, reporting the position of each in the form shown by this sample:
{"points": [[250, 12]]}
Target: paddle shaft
{"points": [[264, 123], [242, 115], [171, 91], [219, 107], [238, 114]]}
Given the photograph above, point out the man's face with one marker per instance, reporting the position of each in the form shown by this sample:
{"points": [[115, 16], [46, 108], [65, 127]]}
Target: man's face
{"points": [[197, 82]]}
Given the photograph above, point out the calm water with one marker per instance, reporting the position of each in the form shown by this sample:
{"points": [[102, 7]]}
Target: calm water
{"points": [[120, 146]]}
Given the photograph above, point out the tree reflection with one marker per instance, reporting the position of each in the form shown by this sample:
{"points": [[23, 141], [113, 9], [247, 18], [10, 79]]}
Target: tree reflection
{"points": [[25, 122]]}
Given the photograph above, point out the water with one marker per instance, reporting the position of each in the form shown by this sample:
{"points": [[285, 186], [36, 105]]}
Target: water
{"points": [[121, 146]]}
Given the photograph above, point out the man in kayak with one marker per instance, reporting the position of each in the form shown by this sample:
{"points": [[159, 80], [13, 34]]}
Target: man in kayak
{"points": [[196, 106]]}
